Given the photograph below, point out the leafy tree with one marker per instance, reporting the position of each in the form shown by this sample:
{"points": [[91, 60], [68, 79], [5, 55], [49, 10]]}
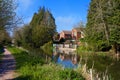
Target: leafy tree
{"points": [[8, 18], [4, 37], [23, 36], [43, 27], [95, 26], [102, 22], [40, 30], [18, 36], [115, 25], [27, 36]]}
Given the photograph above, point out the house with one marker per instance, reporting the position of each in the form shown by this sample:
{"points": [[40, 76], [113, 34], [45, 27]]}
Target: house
{"points": [[77, 33], [73, 35], [66, 35]]}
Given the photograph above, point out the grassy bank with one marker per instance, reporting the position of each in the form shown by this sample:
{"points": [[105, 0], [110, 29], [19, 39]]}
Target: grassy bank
{"points": [[101, 62], [34, 68]]}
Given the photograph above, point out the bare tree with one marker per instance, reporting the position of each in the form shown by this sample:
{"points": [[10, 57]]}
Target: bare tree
{"points": [[8, 17]]}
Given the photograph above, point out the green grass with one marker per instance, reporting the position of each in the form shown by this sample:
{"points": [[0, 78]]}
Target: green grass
{"points": [[32, 67]]}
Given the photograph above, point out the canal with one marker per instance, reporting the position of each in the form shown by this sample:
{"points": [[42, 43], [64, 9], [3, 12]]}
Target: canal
{"points": [[101, 63]]}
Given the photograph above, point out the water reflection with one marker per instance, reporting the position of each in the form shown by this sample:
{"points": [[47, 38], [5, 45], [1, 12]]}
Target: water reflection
{"points": [[102, 63], [68, 59]]}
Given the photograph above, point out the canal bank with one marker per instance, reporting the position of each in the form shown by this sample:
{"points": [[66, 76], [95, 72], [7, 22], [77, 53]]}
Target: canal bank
{"points": [[102, 62]]}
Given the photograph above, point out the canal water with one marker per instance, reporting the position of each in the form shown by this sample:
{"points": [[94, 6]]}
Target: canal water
{"points": [[65, 58], [70, 59], [104, 64]]}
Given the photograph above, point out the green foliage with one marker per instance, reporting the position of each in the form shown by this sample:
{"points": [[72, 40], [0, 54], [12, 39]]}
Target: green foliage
{"points": [[23, 58], [103, 24], [48, 48], [40, 30], [34, 68], [23, 37], [69, 74], [18, 37], [4, 37], [43, 27], [115, 35], [27, 37], [83, 48]]}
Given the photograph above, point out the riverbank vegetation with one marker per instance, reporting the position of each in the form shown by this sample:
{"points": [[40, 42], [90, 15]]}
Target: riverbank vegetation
{"points": [[8, 20], [39, 32], [103, 27], [34, 67], [100, 47], [48, 48]]}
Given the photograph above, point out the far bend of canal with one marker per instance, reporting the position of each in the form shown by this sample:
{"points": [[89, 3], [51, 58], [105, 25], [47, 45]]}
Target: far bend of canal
{"points": [[70, 59], [64, 57]]}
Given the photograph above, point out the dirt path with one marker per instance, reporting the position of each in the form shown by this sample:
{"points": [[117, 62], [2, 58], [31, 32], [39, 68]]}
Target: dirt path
{"points": [[7, 66]]}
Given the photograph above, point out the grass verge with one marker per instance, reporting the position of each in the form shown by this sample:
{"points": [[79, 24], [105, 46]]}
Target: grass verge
{"points": [[34, 68]]}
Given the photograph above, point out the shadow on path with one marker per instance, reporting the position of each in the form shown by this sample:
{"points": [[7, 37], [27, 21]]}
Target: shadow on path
{"points": [[7, 66]]}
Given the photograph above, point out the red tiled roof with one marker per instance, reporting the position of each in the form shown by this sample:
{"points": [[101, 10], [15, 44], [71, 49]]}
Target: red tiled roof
{"points": [[67, 32]]}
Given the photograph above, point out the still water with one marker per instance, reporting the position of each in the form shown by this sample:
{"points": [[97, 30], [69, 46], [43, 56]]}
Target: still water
{"points": [[70, 59], [66, 58]]}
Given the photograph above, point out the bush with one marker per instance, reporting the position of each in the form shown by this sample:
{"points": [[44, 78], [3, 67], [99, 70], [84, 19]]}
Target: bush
{"points": [[34, 68], [69, 74], [48, 48]]}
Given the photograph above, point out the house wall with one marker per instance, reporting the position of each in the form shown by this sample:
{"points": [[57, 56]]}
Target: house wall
{"points": [[62, 35], [74, 32], [76, 35]]}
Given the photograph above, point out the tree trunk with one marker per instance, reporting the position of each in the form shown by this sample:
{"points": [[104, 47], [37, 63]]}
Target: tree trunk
{"points": [[114, 47]]}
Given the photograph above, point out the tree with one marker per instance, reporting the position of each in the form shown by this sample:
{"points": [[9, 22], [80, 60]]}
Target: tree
{"points": [[97, 20], [7, 14], [102, 20], [18, 36], [4, 37], [115, 25], [23, 36], [40, 30], [8, 17], [43, 27]]}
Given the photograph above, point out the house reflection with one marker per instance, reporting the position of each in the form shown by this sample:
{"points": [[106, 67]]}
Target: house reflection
{"points": [[66, 58]]}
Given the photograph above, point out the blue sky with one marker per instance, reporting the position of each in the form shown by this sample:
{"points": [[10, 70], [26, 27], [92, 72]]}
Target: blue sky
{"points": [[67, 13]]}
